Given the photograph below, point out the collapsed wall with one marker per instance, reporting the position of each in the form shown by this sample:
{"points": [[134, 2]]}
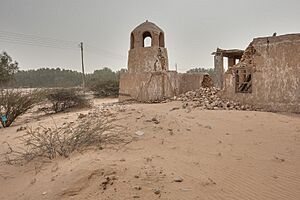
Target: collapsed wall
{"points": [[268, 75]]}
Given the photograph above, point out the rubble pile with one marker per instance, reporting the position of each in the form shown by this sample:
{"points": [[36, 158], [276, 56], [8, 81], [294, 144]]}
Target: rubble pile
{"points": [[209, 98]]}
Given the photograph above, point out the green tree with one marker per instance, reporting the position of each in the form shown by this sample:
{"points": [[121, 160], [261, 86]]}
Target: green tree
{"points": [[45, 77], [7, 68]]}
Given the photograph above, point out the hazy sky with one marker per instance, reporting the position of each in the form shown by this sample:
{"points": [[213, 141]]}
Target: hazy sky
{"points": [[193, 29]]}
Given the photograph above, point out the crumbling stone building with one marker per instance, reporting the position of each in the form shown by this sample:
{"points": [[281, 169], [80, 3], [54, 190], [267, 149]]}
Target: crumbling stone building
{"points": [[268, 74], [148, 77], [233, 56]]}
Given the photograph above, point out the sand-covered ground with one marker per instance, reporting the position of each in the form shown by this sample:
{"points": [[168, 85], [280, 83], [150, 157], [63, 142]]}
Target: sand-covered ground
{"points": [[183, 154]]}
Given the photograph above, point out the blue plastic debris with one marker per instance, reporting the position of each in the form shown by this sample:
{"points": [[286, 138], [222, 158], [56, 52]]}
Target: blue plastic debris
{"points": [[3, 118]]}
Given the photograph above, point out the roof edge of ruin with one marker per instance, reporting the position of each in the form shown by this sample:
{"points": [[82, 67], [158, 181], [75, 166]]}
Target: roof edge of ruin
{"points": [[228, 52], [279, 38]]}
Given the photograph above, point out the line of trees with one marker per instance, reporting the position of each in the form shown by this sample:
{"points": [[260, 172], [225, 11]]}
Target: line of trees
{"points": [[103, 82], [210, 71], [47, 77], [11, 77]]}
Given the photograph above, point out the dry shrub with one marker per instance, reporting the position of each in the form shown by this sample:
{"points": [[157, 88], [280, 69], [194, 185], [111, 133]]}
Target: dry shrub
{"points": [[64, 98], [14, 103], [97, 130], [109, 88]]}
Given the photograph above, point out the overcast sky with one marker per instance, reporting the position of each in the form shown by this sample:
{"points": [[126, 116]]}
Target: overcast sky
{"points": [[193, 29]]}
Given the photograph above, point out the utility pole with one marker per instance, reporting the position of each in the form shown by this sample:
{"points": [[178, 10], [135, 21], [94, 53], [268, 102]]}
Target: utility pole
{"points": [[82, 65]]}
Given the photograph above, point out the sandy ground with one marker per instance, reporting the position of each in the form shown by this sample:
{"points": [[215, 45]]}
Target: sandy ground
{"points": [[213, 154]]}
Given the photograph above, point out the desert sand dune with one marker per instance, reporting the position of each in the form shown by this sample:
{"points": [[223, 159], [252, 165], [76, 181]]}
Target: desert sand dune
{"points": [[176, 154]]}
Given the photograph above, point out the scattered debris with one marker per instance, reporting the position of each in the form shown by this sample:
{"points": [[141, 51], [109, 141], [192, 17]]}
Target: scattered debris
{"points": [[108, 181], [155, 120], [22, 128], [137, 187], [178, 179], [175, 108], [209, 98], [156, 191], [80, 116], [184, 105], [208, 127], [279, 159], [185, 189], [139, 133]]}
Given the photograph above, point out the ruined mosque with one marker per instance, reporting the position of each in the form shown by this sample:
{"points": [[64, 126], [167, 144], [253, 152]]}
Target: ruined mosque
{"points": [[266, 74], [148, 78]]}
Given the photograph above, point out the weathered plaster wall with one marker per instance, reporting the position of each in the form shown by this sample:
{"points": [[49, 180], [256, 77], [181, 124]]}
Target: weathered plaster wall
{"points": [[219, 70], [275, 62], [148, 86], [189, 82], [147, 59], [156, 86]]}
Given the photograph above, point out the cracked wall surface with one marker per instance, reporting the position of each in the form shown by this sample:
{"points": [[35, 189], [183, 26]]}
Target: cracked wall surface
{"points": [[157, 86], [147, 59]]}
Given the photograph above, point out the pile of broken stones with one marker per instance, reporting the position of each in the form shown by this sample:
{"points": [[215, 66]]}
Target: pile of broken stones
{"points": [[209, 99]]}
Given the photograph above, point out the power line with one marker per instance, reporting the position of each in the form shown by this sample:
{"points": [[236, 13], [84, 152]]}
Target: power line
{"points": [[35, 37], [35, 44], [48, 42], [33, 40], [52, 42]]}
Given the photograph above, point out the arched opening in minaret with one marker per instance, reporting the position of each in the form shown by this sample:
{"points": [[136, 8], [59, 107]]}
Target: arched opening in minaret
{"points": [[161, 40], [131, 41], [147, 39]]}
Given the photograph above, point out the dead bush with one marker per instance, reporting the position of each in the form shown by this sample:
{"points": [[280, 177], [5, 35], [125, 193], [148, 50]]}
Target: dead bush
{"points": [[14, 103], [97, 129], [64, 98]]}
